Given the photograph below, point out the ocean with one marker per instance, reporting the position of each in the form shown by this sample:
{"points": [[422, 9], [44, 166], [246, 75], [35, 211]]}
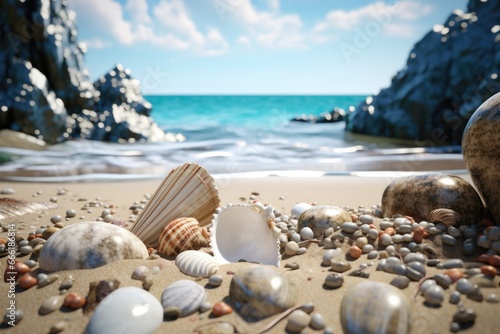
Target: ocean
{"points": [[231, 135]]}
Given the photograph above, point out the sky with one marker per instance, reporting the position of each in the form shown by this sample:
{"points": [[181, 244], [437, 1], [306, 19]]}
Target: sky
{"points": [[271, 47]]}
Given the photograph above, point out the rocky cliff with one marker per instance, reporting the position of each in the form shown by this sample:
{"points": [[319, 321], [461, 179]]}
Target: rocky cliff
{"points": [[45, 88], [448, 74]]}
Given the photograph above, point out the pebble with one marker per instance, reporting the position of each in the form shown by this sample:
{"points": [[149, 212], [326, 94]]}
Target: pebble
{"points": [[206, 306], [372, 255], [299, 208], [401, 282], [30, 263], [455, 297], [55, 219], [334, 281], [340, 266], [140, 273], [15, 318], [434, 295], [50, 304], [220, 309], [27, 281], [426, 285], [448, 240], [328, 255], [74, 301], [317, 321], [493, 298], [385, 239], [215, 280], [464, 286], [366, 248], [297, 321], [385, 224], [301, 251], [355, 251], [306, 233], [147, 283], [307, 307], [70, 213], [44, 279], [443, 280], [373, 234], [7, 191], [450, 264], [413, 274], [464, 316], [292, 265], [433, 262], [25, 250], [349, 227], [454, 327], [295, 237], [415, 257], [58, 327], [366, 219], [291, 248], [67, 284]]}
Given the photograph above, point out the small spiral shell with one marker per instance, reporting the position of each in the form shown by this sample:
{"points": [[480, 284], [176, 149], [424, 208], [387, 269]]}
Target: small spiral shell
{"points": [[448, 217], [182, 234], [196, 263]]}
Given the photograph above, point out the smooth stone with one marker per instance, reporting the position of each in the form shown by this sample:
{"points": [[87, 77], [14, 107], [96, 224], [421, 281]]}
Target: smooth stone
{"points": [[7, 191], [140, 273], [291, 248], [215, 280], [400, 282], [307, 307], [58, 327], [386, 224], [455, 263], [306, 233], [464, 286], [50, 304], [426, 285], [434, 295], [31, 263], [25, 250], [418, 195], [464, 316], [448, 240], [349, 227], [45, 279], [367, 248], [301, 250], [340, 266], [297, 321], [433, 262], [299, 208], [492, 298], [455, 297], [398, 269], [334, 281], [375, 307], [385, 239], [317, 321], [481, 151], [418, 266], [330, 254], [373, 234], [413, 274], [89, 245], [15, 318], [126, 310], [372, 255], [320, 218], [443, 280]]}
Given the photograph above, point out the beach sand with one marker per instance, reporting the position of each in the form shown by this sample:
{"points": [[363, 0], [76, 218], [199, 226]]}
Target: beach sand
{"points": [[280, 192]]}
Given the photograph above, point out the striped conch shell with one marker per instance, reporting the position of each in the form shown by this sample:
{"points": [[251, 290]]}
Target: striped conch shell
{"points": [[448, 217], [196, 263], [188, 191], [183, 234]]}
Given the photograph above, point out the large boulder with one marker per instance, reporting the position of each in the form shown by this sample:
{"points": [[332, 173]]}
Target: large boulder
{"points": [[448, 74]]}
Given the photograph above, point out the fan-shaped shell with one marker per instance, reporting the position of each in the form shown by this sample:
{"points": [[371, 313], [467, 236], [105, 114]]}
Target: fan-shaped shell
{"points": [[245, 232], [188, 191], [184, 296], [87, 245], [10, 207], [183, 234], [196, 263], [448, 217]]}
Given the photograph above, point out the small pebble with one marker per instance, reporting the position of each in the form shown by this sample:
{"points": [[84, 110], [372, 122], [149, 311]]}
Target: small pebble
{"points": [[493, 298], [349, 227], [301, 251], [464, 316], [317, 321], [25, 250], [434, 295], [443, 280], [307, 307], [401, 282], [74, 301], [206, 306], [30, 263], [66, 284], [297, 321], [147, 283], [454, 327], [44, 279], [140, 273], [221, 309], [291, 248], [455, 263], [464, 286], [372, 255], [13, 319], [7, 191], [334, 281], [306, 233], [448, 240], [355, 251], [55, 219], [215, 280], [292, 266], [50, 304], [70, 213], [328, 255], [27, 281], [340, 266], [433, 262], [455, 297]]}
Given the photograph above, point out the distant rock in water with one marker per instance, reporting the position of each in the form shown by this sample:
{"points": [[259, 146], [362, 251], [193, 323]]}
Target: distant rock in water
{"points": [[336, 115], [448, 74], [45, 89]]}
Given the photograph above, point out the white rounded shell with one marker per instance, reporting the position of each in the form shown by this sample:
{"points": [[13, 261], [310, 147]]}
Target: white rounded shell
{"points": [[245, 232], [197, 264], [87, 245]]}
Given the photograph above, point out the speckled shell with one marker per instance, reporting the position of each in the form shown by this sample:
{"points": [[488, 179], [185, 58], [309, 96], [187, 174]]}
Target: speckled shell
{"points": [[260, 291], [320, 218], [448, 217], [481, 150], [245, 232], [10, 207], [418, 195], [196, 263], [188, 191], [182, 234], [88, 245], [375, 307], [184, 295]]}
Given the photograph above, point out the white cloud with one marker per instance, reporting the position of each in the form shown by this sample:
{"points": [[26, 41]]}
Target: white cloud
{"points": [[243, 40], [178, 31], [393, 18], [96, 43], [271, 29]]}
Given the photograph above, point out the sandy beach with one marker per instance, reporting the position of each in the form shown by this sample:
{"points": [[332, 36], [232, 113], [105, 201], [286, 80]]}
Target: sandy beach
{"points": [[280, 192]]}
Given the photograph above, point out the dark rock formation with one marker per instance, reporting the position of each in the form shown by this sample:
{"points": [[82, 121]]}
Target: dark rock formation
{"points": [[45, 90], [336, 115], [448, 74]]}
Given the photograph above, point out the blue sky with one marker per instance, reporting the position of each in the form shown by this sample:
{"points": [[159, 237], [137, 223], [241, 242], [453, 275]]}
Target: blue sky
{"points": [[256, 47]]}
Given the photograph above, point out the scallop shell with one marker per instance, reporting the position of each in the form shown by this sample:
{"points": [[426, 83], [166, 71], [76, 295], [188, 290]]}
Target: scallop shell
{"points": [[375, 307], [184, 296], [10, 207], [448, 217], [183, 234], [196, 263], [245, 232], [259, 291], [88, 245], [188, 191]]}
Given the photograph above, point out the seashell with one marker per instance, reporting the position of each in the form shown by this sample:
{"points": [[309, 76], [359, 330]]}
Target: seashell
{"points": [[215, 327], [245, 232], [188, 191], [183, 234], [259, 291], [375, 307], [320, 218], [418, 195], [10, 207], [126, 310], [448, 217], [184, 296], [196, 263], [88, 245]]}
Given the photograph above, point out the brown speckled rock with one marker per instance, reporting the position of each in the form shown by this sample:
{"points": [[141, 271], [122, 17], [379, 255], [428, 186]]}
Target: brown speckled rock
{"points": [[320, 218], [481, 150], [418, 195]]}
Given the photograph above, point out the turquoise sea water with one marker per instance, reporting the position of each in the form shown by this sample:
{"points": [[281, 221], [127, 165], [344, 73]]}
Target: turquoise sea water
{"points": [[230, 135]]}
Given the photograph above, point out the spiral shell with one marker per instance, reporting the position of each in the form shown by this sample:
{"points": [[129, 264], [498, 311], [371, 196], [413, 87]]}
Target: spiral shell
{"points": [[183, 234], [448, 217], [196, 263], [183, 297]]}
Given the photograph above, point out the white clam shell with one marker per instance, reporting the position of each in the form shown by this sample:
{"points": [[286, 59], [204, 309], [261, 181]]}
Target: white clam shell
{"points": [[245, 232], [188, 191], [88, 245], [126, 310], [184, 295], [196, 263]]}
